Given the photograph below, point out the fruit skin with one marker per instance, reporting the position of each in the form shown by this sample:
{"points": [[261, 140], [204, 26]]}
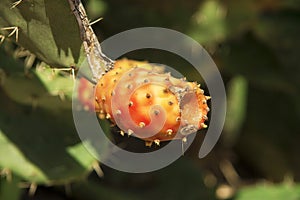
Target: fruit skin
{"points": [[149, 104], [86, 95]]}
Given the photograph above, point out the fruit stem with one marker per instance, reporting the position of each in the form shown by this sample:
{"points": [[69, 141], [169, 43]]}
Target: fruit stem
{"points": [[98, 62]]}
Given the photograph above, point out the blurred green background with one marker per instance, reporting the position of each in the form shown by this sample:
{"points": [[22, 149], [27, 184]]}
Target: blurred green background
{"points": [[255, 45]]}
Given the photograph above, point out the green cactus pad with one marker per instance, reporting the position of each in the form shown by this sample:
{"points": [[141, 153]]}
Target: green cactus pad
{"points": [[39, 87], [38, 142], [40, 146], [47, 28]]}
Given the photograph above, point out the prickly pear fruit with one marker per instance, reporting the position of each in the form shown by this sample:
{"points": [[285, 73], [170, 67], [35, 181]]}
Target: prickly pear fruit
{"points": [[85, 96], [137, 96], [149, 104]]}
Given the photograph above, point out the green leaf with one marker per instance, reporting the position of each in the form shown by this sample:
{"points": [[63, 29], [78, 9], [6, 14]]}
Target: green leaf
{"points": [[236, 108], [208, 23], [275, 192]]}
